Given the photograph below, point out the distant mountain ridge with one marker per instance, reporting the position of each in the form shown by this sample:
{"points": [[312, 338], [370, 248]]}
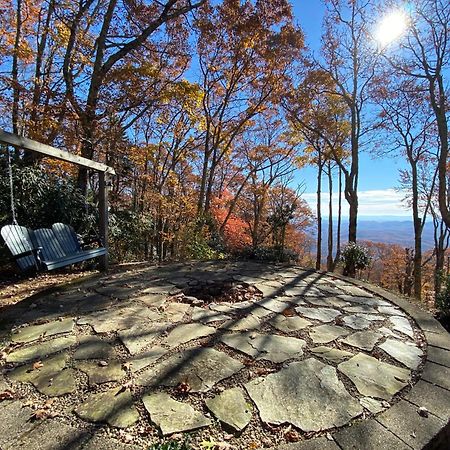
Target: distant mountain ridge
{"points": [[400, 232]]}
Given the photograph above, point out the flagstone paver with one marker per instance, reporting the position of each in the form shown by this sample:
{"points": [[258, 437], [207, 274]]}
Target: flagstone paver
{"points": [[172, 416], [402, 325], [142, 335], [331, 302], [373, 405], [121, 318], [153, 300], [118, 360], [273, 305], [93, 347], [99, 373], [323, 334], [141, 360], [114, 407], [231, 408], [406, 353], [356, 322], [260, 312], [290, 395], [321, 314], [40, 350], [174, 312], [374, 378], [33, 332], [50, 377], [246, 323], [289, 324], [364, 340], [390, 310], [361, 309], [266, 346], [201, 368], [187, 332], [206, 315], [331, 354]]}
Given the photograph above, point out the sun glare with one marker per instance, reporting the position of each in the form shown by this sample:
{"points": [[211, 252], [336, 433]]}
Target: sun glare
{"points": [[391, 27]]}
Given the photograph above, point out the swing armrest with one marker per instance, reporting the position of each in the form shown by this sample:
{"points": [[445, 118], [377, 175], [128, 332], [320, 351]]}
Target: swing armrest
{"points": [[34, 252]]}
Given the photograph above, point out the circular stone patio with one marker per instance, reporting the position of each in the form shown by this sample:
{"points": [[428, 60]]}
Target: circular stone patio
{"points": [[240, 354]]}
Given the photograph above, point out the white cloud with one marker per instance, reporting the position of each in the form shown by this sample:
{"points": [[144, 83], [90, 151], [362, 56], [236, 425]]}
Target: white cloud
{"points": [[375, 203]]}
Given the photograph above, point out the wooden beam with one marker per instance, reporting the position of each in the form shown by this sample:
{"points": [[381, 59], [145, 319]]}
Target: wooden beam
{"points": [[53, 152]]}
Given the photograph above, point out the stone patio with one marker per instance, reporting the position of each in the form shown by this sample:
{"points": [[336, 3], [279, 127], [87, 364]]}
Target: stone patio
{"points": [[294, 359]]}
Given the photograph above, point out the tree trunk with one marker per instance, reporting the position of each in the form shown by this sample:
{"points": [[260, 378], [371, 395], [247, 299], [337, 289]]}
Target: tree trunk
{"points": [[15, 69], [37, 88], [339, 218], [330, 220], [319, 215], [417, 222], [440, 246], [439, 105], [408, 280]]}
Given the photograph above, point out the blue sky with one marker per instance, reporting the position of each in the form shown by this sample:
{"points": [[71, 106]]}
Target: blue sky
{"points": [[378, 176]]}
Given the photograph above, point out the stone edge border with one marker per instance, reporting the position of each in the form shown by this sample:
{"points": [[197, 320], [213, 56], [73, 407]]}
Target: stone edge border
{"points": [[401, 427]]}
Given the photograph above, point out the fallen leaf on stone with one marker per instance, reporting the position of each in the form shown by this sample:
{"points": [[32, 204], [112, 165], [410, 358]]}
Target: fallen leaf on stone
{"points": [[339, 321], [38, 365], [422, 411], [183, 387], [223, 445], [253, 446], [146, 430], [125, 386], [6, 395], [262, 371], [413, 434], [291, 435], [270, 427], [329, 437], [103, 363], [48, 403], [289, 312], [127, 437], [41, 414], [402, 380]]}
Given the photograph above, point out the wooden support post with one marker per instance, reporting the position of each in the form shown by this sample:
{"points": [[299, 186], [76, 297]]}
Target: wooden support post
{"points": [[103, 214]]}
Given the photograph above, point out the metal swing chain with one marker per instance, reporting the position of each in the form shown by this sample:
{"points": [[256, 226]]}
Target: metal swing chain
{"points": [[11, 187]]}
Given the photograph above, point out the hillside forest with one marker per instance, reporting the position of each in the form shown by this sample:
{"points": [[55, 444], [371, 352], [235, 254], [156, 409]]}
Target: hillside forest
{"points": [[209, 111]]}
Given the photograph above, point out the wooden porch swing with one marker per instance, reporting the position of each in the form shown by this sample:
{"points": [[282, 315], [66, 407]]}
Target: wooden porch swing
{"points": [[52, 248]]}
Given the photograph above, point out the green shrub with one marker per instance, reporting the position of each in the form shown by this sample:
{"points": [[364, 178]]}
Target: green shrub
{"points": [[128, 234], [171, 445], [272, 254], [355, 256], [443, 297], [42, 199]]}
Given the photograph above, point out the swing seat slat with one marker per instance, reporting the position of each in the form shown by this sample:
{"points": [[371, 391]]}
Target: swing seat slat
{"points": [[20, 243], [46, 248]]}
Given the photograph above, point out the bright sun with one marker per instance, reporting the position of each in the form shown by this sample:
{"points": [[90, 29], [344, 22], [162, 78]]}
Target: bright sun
{"points": [[391, 27]]}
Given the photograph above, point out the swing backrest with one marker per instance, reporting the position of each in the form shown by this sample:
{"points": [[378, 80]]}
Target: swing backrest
{"points": [[67, 238], [19, 241], [49, 245]]}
